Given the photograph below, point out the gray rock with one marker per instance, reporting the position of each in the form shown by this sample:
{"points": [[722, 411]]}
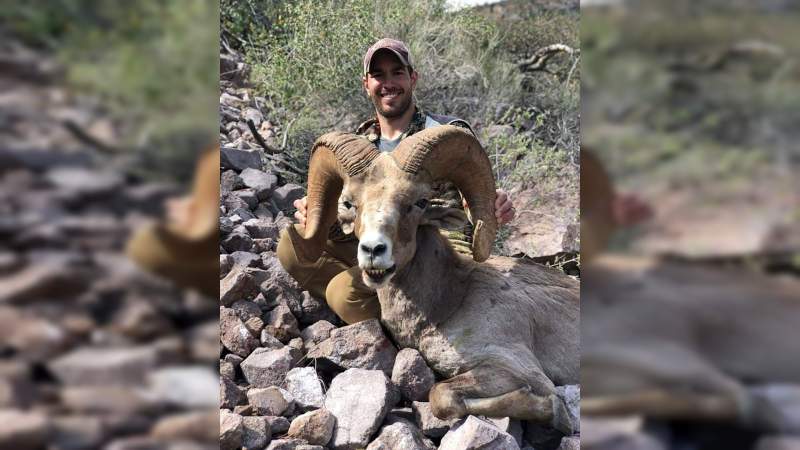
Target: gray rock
{"points": [[286, 444], [248, 196], [244, 410], [256, 433], [88, 366], [400, 436], [227, 370], [265, 367], [23, 430], [316, 333], [185, 387], [151, 443], [225, 265], [278, 424], [372, 391], [361, 345], [231, 430], [234, 334], [237, 242], [237, 285], [474, 434], [431, 425], [285, 196], [230, 181], [245, 259], [310, 447], [570, 443], [233, 203], [270, 341], [315, 309], [33, 337], [270, 401], [16, 387], [263, 183], [84, 182], [305, 387], [571, 395], [108, 400], [282, 324], [412, 375], [230, 394], [255, 325], [315, 427], [778, 443], [261, 229], [776, 408], [78, 432], [188, 426], [510, 426], [246, 309], [233, 158]]}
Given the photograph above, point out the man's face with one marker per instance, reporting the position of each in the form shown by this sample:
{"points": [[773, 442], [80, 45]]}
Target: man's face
{"points": [[389, 84]]}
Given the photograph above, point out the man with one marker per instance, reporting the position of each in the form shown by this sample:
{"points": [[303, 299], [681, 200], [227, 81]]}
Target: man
{"points": [[389, 80]]}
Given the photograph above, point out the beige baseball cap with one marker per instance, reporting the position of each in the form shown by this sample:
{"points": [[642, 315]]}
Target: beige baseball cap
{"points": [[399, 48]]}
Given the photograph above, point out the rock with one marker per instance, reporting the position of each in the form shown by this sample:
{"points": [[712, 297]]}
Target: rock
{"points": [[231, 430], [315, 427], [570, 443], [237, 242], [315, 309], [431, 425], [510, 426], [400, 413], [285, 196], [261, 182], [151, 443], [140, 320], [107, 400], [278, 424], [246, 309], [776, 408], [237, 285], [50, 278], [571, 395], [16, 387], [204, 341], [372, 391], [78, 432], [233, 158], [778, 443], [270, 341], [361, 345], [230, 181], [616, 433], [412, 375], [305, 387], [282, 324], [265, 367], [185, 387], [316, 333], [400, 436], [254, 325], [539, 231], [261, 229], [245, 259], [243, 410], [230, 394], [21, 430], [286, 444], [234, 334], [256, 433], [189, 426], [81, 182], [227, 371], [88, 366], [474, 434], [34, 338], [270, 401], [248, 196]]}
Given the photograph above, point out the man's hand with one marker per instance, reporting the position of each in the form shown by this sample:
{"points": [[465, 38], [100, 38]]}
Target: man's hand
{"points": [[300, 215], [503, 208]]}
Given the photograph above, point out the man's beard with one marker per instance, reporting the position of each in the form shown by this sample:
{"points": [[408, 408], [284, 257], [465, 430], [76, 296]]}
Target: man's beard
{"points": [[394, 112]]}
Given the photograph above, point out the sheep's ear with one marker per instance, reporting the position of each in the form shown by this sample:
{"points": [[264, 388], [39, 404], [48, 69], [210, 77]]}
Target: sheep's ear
{"points": [[443, 217]]}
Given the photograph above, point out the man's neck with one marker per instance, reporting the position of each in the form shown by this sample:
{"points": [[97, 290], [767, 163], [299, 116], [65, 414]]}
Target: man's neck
{"points": [[392, 128]]}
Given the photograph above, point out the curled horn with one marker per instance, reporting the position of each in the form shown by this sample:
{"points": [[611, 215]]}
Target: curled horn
{"points": [[334, 157], [451, 153]]}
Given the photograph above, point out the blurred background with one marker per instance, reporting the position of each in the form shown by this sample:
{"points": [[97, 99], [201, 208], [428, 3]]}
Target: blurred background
{"points": [[690, 238], [105, 108]]}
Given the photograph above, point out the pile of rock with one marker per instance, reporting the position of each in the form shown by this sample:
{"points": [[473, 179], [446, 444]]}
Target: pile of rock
{"points": [[293, 377], [94, 353]]}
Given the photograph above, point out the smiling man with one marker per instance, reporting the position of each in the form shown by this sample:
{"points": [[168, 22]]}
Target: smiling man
{"points": [[389, 80]]}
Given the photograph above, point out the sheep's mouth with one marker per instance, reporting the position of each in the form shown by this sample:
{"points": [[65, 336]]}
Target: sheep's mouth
{"points": [[378, 275]]}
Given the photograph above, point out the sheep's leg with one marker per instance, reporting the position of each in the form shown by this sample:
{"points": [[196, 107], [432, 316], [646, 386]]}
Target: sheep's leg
{"points": [[494, 392], [662, 403]]}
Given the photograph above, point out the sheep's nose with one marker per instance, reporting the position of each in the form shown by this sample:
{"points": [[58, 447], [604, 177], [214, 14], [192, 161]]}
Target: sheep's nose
{"points": [[376, 250]]}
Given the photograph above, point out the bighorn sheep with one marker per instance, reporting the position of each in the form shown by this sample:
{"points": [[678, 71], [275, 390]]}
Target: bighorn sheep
{"points": [[502, 331]]}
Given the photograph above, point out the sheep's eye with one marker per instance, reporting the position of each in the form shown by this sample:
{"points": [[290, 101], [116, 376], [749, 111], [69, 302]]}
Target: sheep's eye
{"points": [[422, 203], [347, 204]]}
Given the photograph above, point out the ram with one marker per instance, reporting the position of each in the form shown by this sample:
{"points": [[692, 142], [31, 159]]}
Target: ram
{"points": [[501, 331]]}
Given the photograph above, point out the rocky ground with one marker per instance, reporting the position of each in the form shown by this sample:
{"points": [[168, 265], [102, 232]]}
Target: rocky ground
{"points": [[94, 353], [292, 375]]}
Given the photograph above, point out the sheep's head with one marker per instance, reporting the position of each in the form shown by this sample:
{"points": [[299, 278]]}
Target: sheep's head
{"points": [[384, 196]]}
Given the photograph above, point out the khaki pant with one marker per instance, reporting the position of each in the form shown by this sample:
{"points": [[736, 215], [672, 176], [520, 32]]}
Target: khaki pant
{"points": [[335, 276]]}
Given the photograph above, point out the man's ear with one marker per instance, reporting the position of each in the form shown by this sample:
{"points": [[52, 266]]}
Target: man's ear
{"points": [[414, 78], [364, 83]]}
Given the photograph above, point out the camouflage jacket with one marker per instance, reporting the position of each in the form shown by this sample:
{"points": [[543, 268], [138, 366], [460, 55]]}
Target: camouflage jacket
{"points": [[446, 202]]}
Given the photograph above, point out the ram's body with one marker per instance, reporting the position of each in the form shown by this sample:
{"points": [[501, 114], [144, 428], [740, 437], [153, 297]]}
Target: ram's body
{"points": [[503, 331]]}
